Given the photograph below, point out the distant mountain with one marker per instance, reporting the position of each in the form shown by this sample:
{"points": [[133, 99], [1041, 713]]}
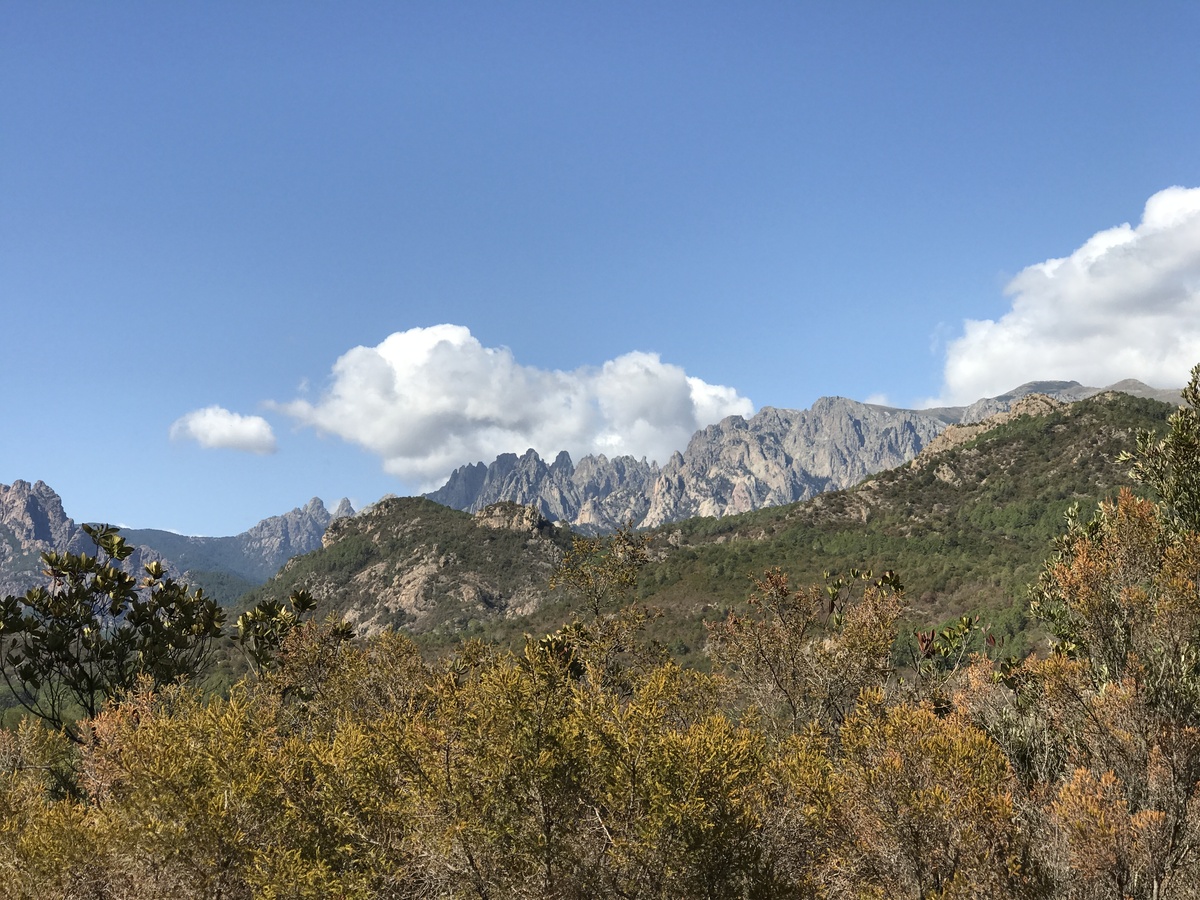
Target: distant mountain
{"points": [[781, 456], [255, 554], [32, 522], [599, 494], [1065, 392], [775, 457]]}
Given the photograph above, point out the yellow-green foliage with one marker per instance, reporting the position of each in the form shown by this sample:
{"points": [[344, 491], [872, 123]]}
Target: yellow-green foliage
{"points": [[361, 771]]}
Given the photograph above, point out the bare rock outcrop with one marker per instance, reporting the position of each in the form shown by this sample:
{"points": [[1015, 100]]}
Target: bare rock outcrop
{"points": [[512, 517], [957, 435], [777, 456], [783, 456], [598, 494]]}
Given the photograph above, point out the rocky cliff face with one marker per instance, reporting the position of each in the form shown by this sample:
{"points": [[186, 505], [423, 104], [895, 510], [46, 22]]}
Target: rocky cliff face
{"points": [[33, 522], [33, 515], [599, 494], [777, 456], [782, 456]]}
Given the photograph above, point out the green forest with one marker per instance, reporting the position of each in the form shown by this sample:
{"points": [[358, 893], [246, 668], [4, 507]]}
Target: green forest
{"points": [[825, 749]]}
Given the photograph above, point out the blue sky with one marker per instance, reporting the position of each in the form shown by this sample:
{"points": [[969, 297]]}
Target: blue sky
{"points": [[590, 226]]}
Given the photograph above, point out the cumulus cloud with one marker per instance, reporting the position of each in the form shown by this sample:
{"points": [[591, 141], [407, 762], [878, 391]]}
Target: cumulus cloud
{"points": [[428, 400], [215, 426], [1126, 304]]}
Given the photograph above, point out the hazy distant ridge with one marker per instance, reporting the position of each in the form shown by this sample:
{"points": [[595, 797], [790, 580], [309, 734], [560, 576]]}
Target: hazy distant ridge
{"points": [[257, 553]]}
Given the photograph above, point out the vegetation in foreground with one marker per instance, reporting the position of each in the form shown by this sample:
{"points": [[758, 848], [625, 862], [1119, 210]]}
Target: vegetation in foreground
{"points": [[590, 765]]}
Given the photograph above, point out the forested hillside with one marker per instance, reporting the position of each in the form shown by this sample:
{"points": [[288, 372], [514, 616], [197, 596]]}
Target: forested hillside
{"points": [[967, 527]]}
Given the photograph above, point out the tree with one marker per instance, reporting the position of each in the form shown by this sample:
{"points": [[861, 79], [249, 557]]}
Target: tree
{"points": [[263, 630], [1124, 689], [926, 808], [1171, 465], [94, 632], [805, 655], [602, 571], [1120, 596]]}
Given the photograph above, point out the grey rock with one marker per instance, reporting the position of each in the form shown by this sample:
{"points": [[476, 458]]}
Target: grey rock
{"points": [[777, 456], [598, 494], [783, 456]]}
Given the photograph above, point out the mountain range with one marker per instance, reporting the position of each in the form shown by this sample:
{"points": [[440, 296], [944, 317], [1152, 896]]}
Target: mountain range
{"points": [[966, 524], [776, 457]]}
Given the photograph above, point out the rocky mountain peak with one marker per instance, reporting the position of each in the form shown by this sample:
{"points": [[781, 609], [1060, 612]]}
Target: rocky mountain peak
{"points": [[33, 514], [277, 539], [33, 522], [512, 517], [598, 494], [737, 464], [562, 464]]}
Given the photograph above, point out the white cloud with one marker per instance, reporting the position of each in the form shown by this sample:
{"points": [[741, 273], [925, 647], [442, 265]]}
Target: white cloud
{"points": [[214, 427], [1126, 304], [428, 400]]}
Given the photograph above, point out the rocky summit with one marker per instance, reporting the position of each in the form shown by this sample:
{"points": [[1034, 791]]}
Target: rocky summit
{"points": [[599, 494]]}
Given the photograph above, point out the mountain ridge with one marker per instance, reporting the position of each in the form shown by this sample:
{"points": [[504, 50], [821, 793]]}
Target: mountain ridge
{"points": [[775, 457]]}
